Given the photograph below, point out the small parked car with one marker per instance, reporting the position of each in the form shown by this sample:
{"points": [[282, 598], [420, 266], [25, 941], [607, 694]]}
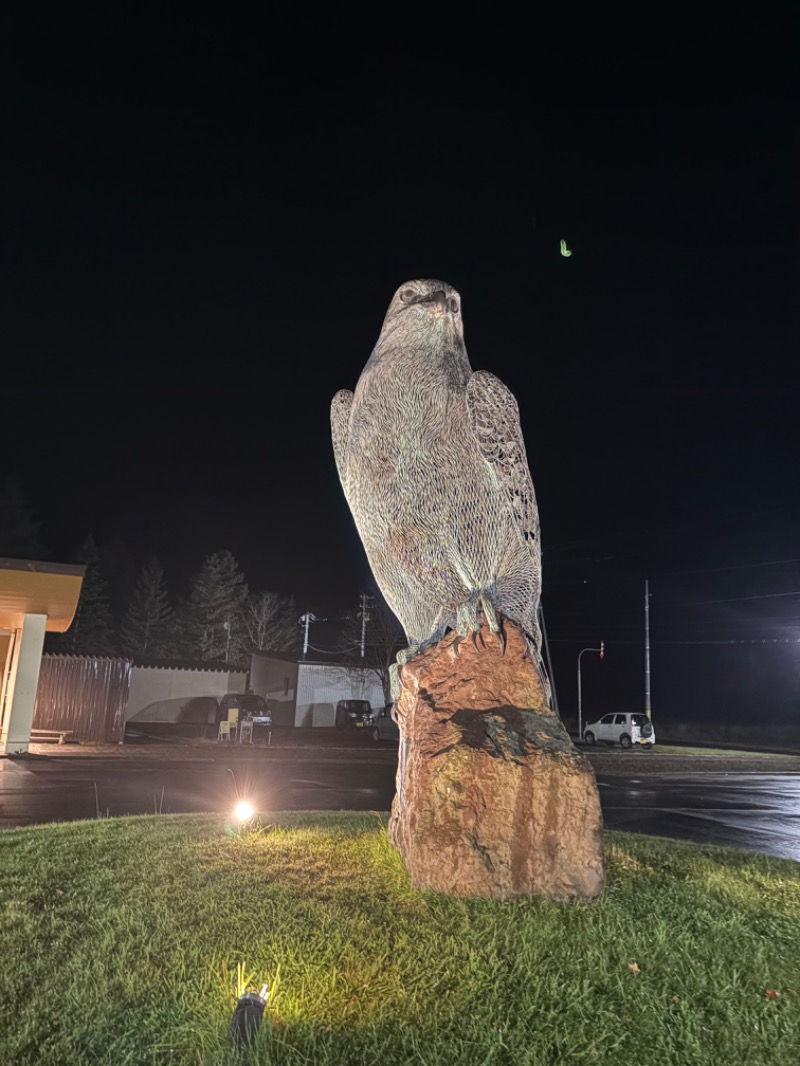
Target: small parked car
{"points": [[353, 714], [624, 729], [385, 727]]}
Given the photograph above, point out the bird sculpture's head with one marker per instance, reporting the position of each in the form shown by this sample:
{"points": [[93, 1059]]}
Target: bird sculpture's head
{"points": [[423, 311]]}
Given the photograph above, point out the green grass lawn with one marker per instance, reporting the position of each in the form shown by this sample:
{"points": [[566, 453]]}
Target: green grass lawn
{"points": [[124, 941], [728, 753]]}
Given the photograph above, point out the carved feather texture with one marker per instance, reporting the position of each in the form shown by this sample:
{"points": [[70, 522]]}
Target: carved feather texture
{"points": [[433, 466], [494, 418], [340, 431]]}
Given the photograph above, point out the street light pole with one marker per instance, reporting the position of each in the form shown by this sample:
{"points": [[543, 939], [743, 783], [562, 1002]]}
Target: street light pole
{"points": [[647, 708], [601, 649]]}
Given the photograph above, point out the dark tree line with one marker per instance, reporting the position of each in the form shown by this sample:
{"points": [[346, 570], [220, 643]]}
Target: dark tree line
{"points": [[219, 620], [125, 609]]}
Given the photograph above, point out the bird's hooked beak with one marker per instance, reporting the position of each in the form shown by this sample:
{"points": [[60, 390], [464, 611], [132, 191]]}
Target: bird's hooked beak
{"points": [[438, 297]]}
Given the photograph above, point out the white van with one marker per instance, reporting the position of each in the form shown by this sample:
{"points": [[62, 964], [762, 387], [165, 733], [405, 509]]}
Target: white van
{"points": [[624, 729]]}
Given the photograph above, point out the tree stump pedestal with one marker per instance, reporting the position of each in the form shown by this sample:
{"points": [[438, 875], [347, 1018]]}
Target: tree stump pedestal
{"points": [[493, 800]]}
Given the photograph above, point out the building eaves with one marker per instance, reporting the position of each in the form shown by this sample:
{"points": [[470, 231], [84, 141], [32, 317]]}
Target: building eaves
{"points": [[208, 666]]}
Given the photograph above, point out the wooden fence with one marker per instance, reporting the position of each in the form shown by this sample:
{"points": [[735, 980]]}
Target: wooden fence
{"points": [[84, 695]]}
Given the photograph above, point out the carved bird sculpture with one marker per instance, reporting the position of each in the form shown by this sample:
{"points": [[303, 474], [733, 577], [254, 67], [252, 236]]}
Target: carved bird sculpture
{"points": [[432, 462]]}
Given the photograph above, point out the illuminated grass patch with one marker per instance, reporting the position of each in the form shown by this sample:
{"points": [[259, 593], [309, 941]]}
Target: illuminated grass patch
{"points": [[126, 941], [712, 752]]}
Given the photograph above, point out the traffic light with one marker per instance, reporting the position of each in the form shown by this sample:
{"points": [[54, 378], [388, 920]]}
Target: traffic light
{"points": [[602, 647]]}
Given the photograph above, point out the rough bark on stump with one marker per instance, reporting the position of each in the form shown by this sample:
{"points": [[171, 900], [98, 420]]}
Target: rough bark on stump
{"points": [[493, 800]]}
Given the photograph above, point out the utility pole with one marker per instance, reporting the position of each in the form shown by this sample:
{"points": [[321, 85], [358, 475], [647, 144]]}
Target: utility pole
{"points": [[306, 620], [364, 619], [647, 708]]}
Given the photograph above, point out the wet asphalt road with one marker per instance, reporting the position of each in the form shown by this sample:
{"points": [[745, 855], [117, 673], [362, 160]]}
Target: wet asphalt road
{"points": [[756, 812], [67, 789]]}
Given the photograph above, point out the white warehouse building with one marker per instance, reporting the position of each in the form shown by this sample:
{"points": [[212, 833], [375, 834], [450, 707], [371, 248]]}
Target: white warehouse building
{"points": [[306, 693]]}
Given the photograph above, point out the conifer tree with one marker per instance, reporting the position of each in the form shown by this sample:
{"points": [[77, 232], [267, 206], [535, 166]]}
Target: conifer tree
{"points": [[92, 629], [148, 622], [120, 573], [213, 618], [19, 529]]}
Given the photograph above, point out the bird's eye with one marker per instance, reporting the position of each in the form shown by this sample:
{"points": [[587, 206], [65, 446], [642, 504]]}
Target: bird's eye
{"points": [[452, 304], [406, 295]]}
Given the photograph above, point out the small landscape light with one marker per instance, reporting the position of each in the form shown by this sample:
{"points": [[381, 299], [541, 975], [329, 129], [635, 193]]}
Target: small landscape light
{"points": [[247, 1017], [244, 811]]}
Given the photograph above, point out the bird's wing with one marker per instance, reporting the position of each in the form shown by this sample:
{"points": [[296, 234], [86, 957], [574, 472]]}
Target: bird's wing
{"points": [[494, 417], [340, 431]]}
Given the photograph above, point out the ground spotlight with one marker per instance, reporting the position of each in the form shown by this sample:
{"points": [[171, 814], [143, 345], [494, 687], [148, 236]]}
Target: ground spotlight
{"points": [[244, 811], [247, 1017]]}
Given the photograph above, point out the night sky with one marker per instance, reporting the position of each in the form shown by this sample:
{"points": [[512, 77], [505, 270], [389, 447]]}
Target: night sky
{"points": [[204, 222]]}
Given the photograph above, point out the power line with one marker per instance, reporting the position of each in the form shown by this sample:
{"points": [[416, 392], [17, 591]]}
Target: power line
{"points": [[598, 579], [736, 599], [737, 640], [636, 537], [638, 643], [722, 569]]}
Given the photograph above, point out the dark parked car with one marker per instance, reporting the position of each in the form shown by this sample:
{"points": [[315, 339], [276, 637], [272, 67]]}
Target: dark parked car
{"points": [[250, 706], [353, 714], [385, 727]]}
